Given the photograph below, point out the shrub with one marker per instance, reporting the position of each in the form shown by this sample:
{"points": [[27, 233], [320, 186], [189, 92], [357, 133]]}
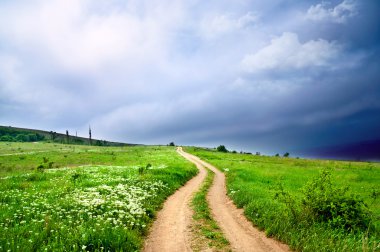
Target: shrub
{"points": [[221, 148], [40, 168], [324, 202], [142, 169], [75, 177]]}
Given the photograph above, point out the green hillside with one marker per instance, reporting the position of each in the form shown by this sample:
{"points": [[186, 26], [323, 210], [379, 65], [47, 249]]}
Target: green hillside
{"points": [[14, 134]]}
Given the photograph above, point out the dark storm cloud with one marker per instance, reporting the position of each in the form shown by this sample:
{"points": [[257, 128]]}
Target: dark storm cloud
{"points": [[260, 75]]}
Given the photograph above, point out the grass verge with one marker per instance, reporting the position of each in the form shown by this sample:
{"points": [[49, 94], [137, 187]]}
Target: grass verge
{"points": [[252, 183], [207, 231]]}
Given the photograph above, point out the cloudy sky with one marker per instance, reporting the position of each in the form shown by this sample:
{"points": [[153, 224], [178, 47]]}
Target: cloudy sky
{"points": [[265, 76]]}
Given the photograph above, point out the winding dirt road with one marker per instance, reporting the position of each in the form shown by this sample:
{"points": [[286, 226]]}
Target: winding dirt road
{"points": [[235, 226], [171, 231]]}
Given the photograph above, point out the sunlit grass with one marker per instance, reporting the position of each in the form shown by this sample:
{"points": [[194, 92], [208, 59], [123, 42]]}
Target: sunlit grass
{"points": [[95, 202], [252, 182]]}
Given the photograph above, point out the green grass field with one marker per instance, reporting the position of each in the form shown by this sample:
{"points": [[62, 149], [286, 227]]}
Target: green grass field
{"points": [[57, 197], [72, 198], [253, 181]]}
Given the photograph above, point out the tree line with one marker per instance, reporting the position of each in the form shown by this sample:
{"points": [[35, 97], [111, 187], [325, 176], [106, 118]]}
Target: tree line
{"points": [[10, 135]]}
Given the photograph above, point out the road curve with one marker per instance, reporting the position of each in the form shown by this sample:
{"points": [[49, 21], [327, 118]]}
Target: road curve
{"points": [[171, 230], [237, 229]]}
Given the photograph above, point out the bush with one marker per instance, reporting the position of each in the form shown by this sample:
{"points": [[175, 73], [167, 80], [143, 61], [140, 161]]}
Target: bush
{"points": [[221, 148], [324, 202], [143, 170]]}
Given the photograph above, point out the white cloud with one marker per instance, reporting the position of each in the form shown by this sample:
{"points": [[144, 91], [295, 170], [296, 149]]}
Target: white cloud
{"points": [[287, 52], [8, 71], [216, 25], [338, 14], [72, 36]]}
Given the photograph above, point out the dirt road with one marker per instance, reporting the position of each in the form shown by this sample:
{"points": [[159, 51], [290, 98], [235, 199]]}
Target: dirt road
{"points": [[237, 229], [171, 230]]}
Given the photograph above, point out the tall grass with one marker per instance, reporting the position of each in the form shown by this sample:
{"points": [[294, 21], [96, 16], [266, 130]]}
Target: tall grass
{"points": [[253, 181]]}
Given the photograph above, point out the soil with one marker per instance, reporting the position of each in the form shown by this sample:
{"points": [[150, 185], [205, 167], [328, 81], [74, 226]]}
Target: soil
{"points": [[240, 232], [172, 229]]}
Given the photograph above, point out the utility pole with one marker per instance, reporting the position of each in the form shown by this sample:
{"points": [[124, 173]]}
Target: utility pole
{"points": [[67, 136], [89, 133]]}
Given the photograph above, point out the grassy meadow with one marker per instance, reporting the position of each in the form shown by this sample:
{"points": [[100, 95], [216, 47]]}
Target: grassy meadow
{"points": [[58, 197], [272, 192]]}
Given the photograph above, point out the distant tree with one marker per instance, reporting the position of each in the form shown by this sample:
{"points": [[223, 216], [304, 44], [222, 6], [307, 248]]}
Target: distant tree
{"points": [[53, 135], [277, 155], [258, 153], [67, 136], [234, 151], [221, 148], [7, 138], [32, 137], [40, 137], [286, 154], [22, 138], [171, 144]]}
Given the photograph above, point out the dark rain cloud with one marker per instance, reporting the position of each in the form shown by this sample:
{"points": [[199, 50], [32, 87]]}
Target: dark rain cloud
{"points": [[266, 76]]}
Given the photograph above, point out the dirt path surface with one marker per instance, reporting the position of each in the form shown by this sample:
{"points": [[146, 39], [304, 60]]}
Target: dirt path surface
{"points": [[171, 230], [237, 229]]}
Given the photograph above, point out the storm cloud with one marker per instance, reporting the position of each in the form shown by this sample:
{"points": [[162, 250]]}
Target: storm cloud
{"points": [[269, 76]]}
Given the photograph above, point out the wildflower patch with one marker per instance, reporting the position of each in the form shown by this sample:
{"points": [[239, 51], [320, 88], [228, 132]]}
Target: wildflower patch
{"points": [[87, 207]]}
